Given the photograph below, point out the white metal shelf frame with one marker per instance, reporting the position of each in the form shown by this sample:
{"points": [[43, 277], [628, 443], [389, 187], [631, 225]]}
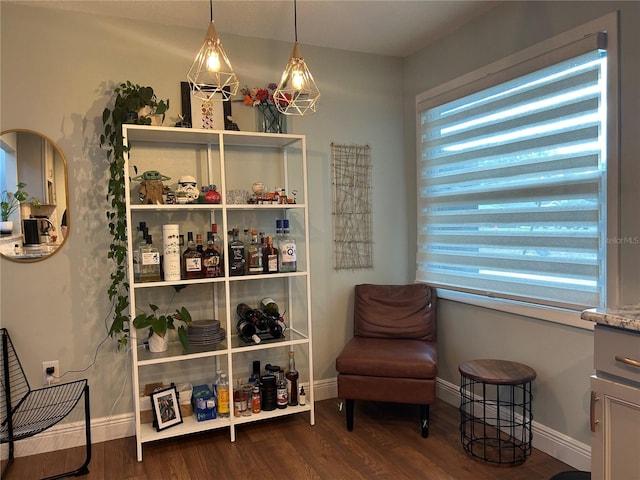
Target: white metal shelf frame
{"points": [[217, 143]]}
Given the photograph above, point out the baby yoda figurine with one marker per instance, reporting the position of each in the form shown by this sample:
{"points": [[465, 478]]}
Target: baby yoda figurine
{"points": [[151, 187]]}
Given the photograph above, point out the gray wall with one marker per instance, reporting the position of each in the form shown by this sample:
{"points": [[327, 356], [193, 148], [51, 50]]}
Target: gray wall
{"points": [[57, 71], [561, 355]]}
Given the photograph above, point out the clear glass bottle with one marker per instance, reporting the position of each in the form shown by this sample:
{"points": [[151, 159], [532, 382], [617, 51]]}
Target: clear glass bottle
{"points": [[236, 255], [256, 399], [211, 259], [191, 260], [282, 399], [218, 245], [141, 239], [149, 262], [254, 255], [287, 246], [292, 380], [222, 392]]}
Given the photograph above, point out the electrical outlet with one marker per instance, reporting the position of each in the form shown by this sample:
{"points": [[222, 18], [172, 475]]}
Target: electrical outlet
{"points": [[55, 377]]}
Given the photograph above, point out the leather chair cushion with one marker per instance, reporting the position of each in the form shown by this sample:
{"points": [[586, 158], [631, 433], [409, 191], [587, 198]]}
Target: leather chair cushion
{"points": [[395, 311], [379, 357]]}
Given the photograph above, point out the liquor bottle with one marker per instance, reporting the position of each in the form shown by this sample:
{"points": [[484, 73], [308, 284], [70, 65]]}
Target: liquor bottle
{"points": [[218, 245], [237, 400], [247, 330], [254, 255], [270, 258], [149, 262], [171, 268], [256, 399], [281, 391], [302, 398], [222, 391], [191, 260], [211, 259], [236, 255], [141, 240], [278, 236], [292, 380], [287, 246], [199, 245]]}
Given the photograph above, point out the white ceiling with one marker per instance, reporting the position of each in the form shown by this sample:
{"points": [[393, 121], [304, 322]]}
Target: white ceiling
{"points": [[391, 27]]}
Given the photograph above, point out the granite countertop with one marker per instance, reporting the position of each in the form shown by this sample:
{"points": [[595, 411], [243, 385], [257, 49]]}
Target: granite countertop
{"points": [[623, 316]]}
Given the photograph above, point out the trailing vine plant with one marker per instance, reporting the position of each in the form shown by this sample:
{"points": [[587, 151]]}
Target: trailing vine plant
{"points": [[130, 100]]}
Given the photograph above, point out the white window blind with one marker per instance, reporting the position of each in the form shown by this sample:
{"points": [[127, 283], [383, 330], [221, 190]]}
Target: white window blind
{"points": [[512, 182]]}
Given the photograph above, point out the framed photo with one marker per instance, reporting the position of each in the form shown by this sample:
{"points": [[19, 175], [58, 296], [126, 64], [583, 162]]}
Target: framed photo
{"points": [[209, 114], [166, 410]]}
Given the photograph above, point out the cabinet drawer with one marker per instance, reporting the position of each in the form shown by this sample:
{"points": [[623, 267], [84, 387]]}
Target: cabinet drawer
{"points": [[617, 352]]}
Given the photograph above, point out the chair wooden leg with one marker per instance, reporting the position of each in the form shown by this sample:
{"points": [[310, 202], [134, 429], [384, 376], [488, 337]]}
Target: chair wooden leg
{"points": [[349, 415], [424, 420]]}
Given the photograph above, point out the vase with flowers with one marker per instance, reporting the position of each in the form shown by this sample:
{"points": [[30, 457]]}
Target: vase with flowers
{"points": [[270, 119]]}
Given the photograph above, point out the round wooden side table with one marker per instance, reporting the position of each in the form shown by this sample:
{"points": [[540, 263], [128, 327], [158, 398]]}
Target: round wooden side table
{"points": [[495, 410]]}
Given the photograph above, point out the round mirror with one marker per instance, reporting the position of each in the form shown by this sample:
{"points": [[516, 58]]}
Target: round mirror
{"points": [[34, 198]]}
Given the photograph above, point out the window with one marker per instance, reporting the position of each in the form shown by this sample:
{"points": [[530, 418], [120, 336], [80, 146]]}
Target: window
{"points": [[513, 181]]}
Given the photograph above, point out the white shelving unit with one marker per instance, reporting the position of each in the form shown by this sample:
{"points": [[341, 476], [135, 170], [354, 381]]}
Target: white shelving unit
{"points": [[232, 161]]}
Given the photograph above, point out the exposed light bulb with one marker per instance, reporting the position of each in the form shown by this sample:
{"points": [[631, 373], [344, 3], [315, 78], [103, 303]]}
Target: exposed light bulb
{"points": [[213, 61], [297, 80]]}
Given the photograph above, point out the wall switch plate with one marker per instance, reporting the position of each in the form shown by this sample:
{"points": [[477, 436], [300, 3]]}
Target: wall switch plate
{"points": [[55, 377]]}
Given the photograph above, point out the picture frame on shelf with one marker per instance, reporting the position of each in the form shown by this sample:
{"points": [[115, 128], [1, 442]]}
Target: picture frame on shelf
{"points": [[166, 409], [206, 114]]}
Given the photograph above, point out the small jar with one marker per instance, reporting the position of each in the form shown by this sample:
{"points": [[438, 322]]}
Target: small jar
{"points": [[212, 195]]}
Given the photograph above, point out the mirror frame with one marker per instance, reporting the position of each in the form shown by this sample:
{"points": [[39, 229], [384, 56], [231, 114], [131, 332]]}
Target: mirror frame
{"points": [[62, 157]]}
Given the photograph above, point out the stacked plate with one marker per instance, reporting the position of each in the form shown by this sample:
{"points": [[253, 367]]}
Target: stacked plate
{"points": [[205, 333]]}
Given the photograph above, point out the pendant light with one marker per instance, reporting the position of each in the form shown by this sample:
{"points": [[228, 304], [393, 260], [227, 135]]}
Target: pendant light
{"points": [[297, 92], [211, 71]]}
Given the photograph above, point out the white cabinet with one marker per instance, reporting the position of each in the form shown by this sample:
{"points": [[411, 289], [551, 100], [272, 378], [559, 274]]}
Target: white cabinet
{"points": [[615, 405], [616, 430], [232, 161]]}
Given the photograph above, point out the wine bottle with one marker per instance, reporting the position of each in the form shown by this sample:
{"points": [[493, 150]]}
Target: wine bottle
{"points": [[247, 330], [270, 307]]}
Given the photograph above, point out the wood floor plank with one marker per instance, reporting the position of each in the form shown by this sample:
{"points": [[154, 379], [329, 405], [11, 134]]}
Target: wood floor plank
{"points": [[385, 444]]}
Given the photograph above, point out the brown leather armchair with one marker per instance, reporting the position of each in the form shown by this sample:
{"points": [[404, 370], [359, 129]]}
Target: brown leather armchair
{"points": [[392, 356]]}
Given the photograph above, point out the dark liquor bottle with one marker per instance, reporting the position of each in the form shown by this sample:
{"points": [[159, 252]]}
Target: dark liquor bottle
{"points": [[218, 245], [292, 380], [211, 259], [270, 257], [236, 255], [191, 260]]}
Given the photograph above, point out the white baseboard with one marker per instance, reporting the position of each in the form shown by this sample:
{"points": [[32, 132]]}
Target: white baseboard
{"points": [[69, 435]]}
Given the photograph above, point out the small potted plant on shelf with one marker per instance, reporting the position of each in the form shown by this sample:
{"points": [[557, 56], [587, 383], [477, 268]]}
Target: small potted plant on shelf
{"points": [[9, 203], [159, 325]]}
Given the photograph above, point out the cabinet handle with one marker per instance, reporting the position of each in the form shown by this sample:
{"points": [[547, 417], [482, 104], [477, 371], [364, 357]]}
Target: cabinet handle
{"points": [[628, 361], [592, 411]]}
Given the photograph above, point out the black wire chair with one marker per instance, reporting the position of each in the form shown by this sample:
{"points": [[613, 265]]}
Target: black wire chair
{"points": [[25, 412]]}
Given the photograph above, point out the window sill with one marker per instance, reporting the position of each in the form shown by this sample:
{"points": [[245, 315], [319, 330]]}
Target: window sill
{"points": [[555, 315]]}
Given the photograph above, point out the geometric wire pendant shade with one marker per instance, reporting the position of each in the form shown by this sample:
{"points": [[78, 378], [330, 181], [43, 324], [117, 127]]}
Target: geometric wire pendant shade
{"points": [[211, 71], [297, 92]]}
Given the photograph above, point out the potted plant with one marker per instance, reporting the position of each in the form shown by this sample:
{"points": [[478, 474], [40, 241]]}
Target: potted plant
{"points": [[160, 324], [9, 203], [129, 100]]}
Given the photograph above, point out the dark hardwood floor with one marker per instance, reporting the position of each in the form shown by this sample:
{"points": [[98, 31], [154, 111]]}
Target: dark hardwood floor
{"points": [[385, 444]]}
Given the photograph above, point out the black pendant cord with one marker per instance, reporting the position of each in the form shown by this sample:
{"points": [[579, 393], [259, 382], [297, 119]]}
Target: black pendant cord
{"points": [[211, 9], [295, 19]]}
